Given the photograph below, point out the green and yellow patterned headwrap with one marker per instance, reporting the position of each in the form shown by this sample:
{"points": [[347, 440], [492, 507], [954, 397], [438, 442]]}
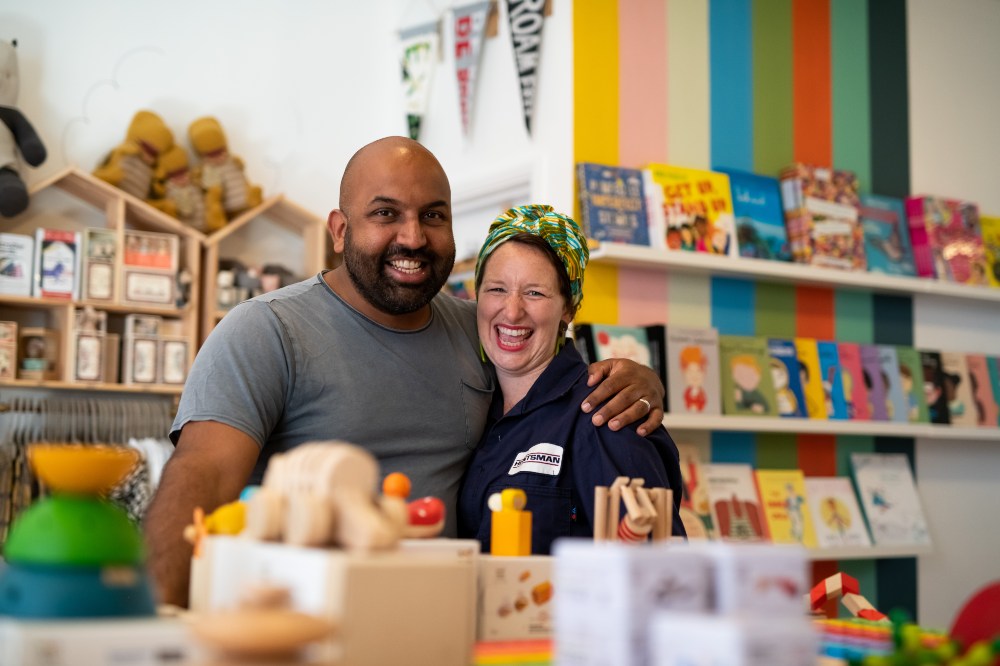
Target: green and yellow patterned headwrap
{"points": [[562, 234]]}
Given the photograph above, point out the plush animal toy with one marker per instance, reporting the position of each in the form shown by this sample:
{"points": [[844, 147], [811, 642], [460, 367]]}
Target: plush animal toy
{"points": [[16, 134], [132, 165], [175, 183], [221, 173]]}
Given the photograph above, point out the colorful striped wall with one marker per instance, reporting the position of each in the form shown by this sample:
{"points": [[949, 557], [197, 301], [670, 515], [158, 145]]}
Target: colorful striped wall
{"points": [[753, 85]]}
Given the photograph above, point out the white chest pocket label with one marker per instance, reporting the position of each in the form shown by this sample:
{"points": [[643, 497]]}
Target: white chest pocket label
{"points": [[541, 458]]}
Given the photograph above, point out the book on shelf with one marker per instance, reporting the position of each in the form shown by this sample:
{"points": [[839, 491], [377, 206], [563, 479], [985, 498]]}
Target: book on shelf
{"points": [[613, 203], [811, 377], [100, 249], [990, 228], [836, 513], [599, 342], [692, 357], [821, 216], [889, 499], [697, 207], [57, 263], [759, 217], [911, 373], [831, 378], [786, 378], [897, 405], [934, 389], [958, 389], [149, 268], [745, 374], [785, 506], [735, 505], [17, 256], [947, 241], [982, 390], [875, 383], [853, 379], [695, 511], [887, 235], [993, 367], [656, 338]]}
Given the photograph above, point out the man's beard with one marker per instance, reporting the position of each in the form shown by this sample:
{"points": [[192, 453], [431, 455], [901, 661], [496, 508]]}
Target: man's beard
{"points": [[367, 273]]}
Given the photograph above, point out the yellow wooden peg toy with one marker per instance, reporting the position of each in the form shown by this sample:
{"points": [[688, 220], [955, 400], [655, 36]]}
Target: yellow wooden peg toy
{"points": [[510, 530]]}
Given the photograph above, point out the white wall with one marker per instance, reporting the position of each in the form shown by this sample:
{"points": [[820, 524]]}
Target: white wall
{"points": [[954, 57], [298, 87]]}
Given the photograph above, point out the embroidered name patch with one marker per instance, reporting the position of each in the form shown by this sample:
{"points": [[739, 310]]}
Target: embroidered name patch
{"points": [[541, 458]]}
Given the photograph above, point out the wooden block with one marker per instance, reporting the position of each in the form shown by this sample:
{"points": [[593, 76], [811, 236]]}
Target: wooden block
{"points": [[510, 533]]}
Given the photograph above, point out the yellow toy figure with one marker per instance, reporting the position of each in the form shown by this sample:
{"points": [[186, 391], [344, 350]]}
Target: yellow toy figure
{"points": [[220, 172], [510, 530], [132, 165], [175, 183]]}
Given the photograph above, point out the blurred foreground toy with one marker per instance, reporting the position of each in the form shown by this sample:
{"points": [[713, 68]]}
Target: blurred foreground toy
{"points": [[16, 136], [422, 518], [229, 518], [131, 166], [510, 527], [220, 172], [73, 554], [846, 588], [647, 511]]}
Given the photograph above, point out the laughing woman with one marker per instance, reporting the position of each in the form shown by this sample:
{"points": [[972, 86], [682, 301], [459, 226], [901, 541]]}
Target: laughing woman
{"points": [[529, 284]]}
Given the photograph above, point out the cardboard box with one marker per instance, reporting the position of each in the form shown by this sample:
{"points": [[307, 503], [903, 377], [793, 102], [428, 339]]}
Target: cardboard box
{"points": [[390, 607], [515, 597]]}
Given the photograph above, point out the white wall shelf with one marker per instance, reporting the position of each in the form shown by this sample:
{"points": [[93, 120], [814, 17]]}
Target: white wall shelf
{"points": [[698, 263], [829, 427], [867, 552]]}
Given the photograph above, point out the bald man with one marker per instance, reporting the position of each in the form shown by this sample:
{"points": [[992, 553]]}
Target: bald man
{"points": [[370, 353]]}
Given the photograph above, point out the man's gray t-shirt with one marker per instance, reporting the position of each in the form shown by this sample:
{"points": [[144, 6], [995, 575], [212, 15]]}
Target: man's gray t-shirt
{"points": [[298, 365]]}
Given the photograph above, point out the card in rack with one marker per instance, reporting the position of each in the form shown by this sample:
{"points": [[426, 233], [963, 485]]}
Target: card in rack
{"points": [[836, 513], [785, 506], [889, 499], [735, 505], [693, 370], [17, 256], [613, 203]]}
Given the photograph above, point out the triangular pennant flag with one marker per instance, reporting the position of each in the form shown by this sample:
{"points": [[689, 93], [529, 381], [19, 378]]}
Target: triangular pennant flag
{"points": [[419, 45], [470, 21], [526, 20]]}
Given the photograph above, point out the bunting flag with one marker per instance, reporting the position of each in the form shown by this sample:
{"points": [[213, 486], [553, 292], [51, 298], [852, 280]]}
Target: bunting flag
{"points": [[419, 54], [470, 23], [526, 20]]}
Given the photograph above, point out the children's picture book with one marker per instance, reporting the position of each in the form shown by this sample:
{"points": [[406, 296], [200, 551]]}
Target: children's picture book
{"points": [[787, 380], [853, 380], [821, 217], [990, 228], [17, 255], [875, 383], [947, 241], [911, 373], [656, 337], [887, 235], [982, 390], [811, 377], [695, 511], [732, 494], [958, 389], [100, 247], [599, 342], [993, 366], [697, 207], [896, 403], [613, 203], [889, 499], [832, 380], [746, 376], [836, 513], [934, 389], [693, 370], [57, 263], [760, 219], [786, 507]]}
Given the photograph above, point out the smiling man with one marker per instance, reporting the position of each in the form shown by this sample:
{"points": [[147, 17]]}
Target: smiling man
{"points": [[369, 353]]}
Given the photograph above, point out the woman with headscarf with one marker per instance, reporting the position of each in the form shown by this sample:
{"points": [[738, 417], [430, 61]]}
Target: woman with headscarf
{"points": [[529, 284]]}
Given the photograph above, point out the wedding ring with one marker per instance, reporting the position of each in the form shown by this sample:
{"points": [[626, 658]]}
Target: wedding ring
{"points": [[649, 407]]}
